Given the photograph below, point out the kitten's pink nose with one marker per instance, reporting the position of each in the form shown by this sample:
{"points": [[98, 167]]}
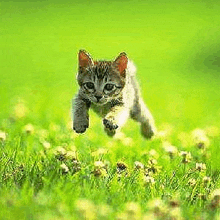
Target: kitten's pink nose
{"points": [[98, 97]]}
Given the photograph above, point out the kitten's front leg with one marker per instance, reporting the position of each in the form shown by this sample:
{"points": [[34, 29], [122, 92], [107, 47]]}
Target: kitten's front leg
{"points": [[117, 116], [80, 114]]}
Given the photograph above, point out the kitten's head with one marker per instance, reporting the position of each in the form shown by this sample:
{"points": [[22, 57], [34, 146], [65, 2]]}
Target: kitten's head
{"points": [[101, 81]]}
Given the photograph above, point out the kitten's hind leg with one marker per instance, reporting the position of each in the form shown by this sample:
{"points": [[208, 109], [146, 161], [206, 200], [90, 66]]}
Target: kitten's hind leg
{"points": [[141, 114]]}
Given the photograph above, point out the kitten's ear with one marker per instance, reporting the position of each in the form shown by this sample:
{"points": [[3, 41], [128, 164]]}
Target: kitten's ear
{"points": [[84, 59], [121, 62]]}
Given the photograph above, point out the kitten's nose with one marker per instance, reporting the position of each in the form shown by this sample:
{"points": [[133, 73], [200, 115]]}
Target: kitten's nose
{"points": [[98, 97]]}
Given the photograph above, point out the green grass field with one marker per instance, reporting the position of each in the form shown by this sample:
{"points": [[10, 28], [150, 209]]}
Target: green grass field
{"points": [[49, 172]]}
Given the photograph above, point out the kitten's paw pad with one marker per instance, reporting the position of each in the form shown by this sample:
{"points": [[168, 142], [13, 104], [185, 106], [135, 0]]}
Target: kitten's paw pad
{"points": [[80, 128], [109, 124]]}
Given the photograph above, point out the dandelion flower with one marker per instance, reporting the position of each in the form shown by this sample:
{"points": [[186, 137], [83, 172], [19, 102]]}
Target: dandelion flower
{"points": [[149, 180], [86, 209], [186, 156], [192, 182], [170, 150], [60, 150], [104, 210], [175, 214], [64, 168], [200, 139], [76, 166], [20, 110], [122, 216], [99, 169], [157, 206], [138, 165], [184, 153], [99, 164], [149, 216], [198, 133], [60, 153], [71, 155], [2, 136], [99, 172], [200, 166], [152, 167], [133, 210], [215, 199], [152, 162], [46, 145], [174, 201], [216, 194], [28, 129], [206, 180]]}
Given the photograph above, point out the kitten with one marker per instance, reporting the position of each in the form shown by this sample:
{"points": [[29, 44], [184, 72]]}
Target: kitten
{"points": [[111, 90]]}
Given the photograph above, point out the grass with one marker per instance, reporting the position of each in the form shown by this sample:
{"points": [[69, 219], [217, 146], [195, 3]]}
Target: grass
{"points": [[53, 173], [49, 172]]}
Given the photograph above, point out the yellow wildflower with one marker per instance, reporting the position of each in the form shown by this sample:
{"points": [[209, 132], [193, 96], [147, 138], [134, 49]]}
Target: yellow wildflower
{"points": [[29, 129], [86, 209], [20, 110], [200, 166], [2, 136], [200, 139], [64, 168], [138, 165]]}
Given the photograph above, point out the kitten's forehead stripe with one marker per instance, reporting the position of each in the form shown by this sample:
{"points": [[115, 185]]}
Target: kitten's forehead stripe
{"points": [[102, 69], [106, 79]]}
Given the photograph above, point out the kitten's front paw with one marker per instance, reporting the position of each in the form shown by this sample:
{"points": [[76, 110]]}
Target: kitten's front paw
{"points": [[110, 124], [80, 127]]}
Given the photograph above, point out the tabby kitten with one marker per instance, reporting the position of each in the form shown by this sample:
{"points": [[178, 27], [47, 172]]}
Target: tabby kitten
{"points": [[111, 90]]}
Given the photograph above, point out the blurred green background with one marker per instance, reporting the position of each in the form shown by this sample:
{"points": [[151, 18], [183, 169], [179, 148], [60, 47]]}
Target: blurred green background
{"points": [[174, 44]]}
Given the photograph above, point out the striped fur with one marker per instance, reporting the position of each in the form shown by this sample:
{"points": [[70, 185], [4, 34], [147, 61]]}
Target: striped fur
{"points": [[111, 90]]}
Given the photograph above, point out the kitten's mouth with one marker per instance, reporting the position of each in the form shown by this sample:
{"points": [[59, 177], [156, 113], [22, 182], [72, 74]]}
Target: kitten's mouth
{"points": [[101, 102]]}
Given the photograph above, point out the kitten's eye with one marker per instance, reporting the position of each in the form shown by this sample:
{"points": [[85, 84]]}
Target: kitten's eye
{"points": [[109, 87], [90, 85]]}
